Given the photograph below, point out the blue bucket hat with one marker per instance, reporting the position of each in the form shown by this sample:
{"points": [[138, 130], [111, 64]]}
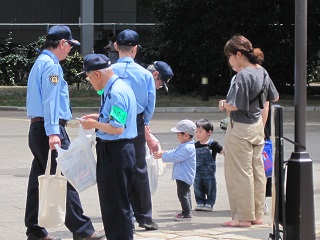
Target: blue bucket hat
{"points": [[128, 38], [59, 32]]}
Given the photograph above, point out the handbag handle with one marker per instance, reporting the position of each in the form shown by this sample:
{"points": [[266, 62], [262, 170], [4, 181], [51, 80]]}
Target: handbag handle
{"points": [[47, 172]]}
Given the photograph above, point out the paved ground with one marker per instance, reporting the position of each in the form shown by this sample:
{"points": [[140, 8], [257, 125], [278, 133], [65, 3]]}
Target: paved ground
{"points": [[15, 164]]}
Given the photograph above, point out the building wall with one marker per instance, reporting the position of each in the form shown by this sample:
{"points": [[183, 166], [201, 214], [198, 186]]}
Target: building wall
{"points": [[39, 11], [62, 11], [119, 11], [66, 11]]}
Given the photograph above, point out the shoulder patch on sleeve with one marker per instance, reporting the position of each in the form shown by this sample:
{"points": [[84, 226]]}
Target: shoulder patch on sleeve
{"points": [[54, 79]]}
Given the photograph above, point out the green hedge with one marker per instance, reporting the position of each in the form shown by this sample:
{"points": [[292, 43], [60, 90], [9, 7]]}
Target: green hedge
{"points": [[16, 62]]}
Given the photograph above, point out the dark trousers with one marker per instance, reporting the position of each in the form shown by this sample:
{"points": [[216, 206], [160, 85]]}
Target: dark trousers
{"points": [[115, 172], [75, 221], [140, 195], [184, 195]]}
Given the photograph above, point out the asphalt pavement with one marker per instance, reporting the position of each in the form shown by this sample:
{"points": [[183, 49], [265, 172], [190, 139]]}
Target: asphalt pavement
{"points": [[16, 160]]}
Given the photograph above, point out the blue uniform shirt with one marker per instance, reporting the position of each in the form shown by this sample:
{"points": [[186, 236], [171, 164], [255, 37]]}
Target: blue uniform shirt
{"points": [[141, 82], [47, 92], [119, 94]]}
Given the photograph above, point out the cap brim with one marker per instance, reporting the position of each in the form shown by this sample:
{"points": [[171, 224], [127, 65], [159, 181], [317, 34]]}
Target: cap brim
{"points": [[165, 87], [74, 42], [80, 73], [174, 130]]}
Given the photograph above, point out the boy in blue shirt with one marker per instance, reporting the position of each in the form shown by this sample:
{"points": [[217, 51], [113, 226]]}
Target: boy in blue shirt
{"points": [[205, 189], [184, 165]]}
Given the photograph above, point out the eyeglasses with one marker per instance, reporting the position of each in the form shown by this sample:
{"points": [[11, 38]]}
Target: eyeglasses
{"points": [[70, 44], [88, 77]]}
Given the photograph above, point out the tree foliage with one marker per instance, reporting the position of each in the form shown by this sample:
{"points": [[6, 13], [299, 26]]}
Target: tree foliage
{"points": [[16, 62], [191, 34]]}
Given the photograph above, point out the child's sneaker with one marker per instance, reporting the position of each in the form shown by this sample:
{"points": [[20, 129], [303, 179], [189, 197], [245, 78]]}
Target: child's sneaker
{"points": [[180, 217], [199, 207], [207, 208]]}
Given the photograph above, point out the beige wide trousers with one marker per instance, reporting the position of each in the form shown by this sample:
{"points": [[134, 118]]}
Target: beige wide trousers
{"points": [[244, 170]]}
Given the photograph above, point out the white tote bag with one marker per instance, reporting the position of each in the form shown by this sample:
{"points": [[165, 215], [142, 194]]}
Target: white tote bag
{"points": [[77, 163], [52, 198], [156, 167]]}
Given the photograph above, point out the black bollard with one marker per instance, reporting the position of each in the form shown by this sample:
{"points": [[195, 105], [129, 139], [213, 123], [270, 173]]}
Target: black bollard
{"points": [[300, 223], [204, 89], [300, 219]]}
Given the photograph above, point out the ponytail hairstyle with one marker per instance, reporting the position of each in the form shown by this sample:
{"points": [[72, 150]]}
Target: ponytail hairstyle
{"points": [[239, 43]]}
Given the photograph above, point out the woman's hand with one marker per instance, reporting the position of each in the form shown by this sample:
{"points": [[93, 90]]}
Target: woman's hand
{"points": [[221, 105]]}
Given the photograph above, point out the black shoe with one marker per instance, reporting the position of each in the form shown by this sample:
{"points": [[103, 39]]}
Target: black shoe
{"points": [[150, 226], [95, 236], [48, 237]]}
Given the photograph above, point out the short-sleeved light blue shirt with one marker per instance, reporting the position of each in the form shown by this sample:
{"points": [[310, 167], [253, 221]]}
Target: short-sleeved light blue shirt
{"points": [[47, 92], [117, 93], [142, 83]]}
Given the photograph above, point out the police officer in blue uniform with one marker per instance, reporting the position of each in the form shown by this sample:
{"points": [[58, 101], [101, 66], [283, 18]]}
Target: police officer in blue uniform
{"points": [[143, 86], [48, 108], [162, 74], [116, 129]]}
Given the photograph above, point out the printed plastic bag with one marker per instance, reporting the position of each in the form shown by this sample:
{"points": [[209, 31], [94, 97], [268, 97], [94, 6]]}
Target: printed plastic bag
{"points": [[77, 163], [52, 198], [156, 168], [224, 123], [267, 158], [153, 171]]}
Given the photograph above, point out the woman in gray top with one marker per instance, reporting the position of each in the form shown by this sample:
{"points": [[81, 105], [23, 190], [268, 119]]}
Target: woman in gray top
{"points": [[244, 169]]}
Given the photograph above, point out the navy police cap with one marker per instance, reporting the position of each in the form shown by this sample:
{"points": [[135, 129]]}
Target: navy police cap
{"points": [[93, 62], [164, 69], [165, 72], [59, 32], [128, 38]]}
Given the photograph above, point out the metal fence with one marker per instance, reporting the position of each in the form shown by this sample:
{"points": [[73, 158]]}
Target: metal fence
{"points": [[17, 56], [25, 33]]}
